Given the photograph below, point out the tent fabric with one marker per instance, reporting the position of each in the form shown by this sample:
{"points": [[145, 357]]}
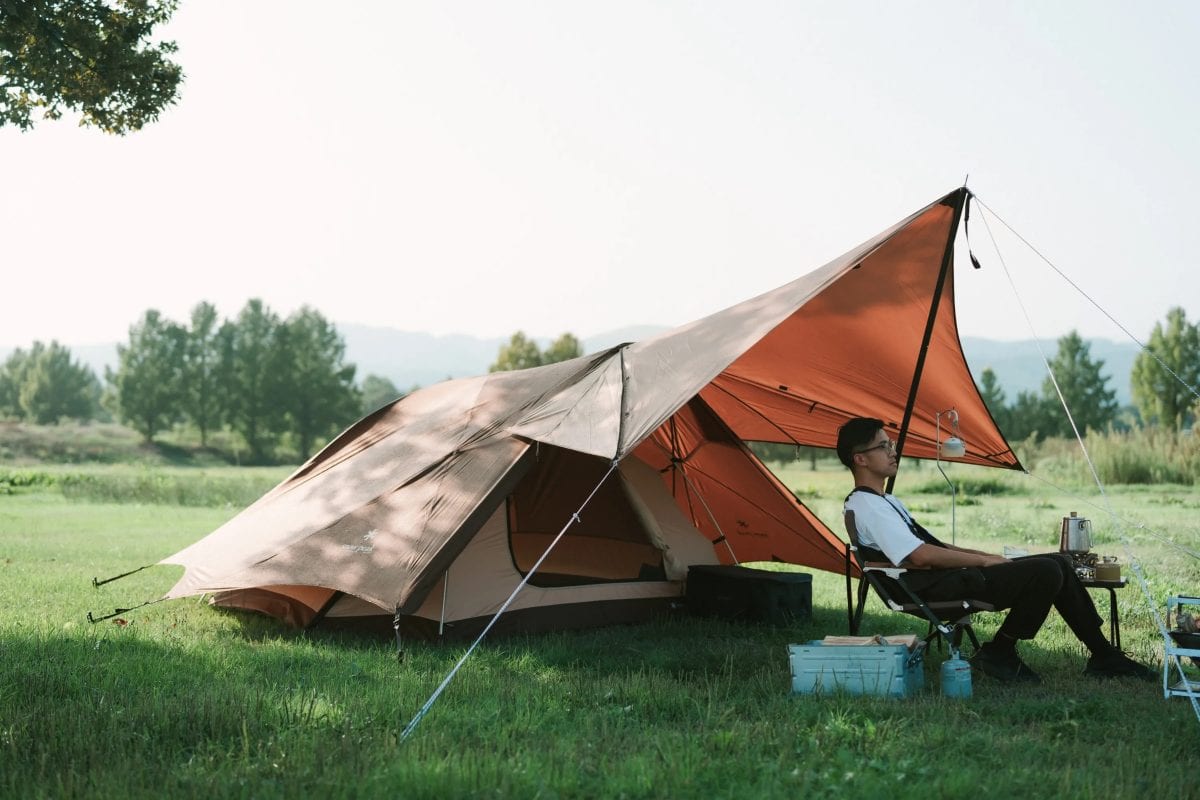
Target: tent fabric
{"points": [[608, 542], [487, 571], [793, 364], [421, 489], [433, 457], [727, 492]]}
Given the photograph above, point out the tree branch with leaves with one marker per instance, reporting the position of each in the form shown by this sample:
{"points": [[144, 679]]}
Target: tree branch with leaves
{"points": [[92, 57]]}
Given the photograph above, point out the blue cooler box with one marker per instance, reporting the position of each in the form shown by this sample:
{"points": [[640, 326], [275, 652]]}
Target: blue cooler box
{"points": [[890, 670]]}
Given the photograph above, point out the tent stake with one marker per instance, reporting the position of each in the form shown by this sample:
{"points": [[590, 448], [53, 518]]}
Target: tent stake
{"points": [[97, 583]]}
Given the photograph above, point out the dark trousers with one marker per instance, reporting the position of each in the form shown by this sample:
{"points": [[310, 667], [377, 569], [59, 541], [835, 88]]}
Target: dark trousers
{"points": [[1030, 586]]}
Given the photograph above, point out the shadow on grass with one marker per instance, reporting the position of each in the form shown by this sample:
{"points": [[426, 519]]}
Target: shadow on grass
{"points": [[177, 456], [680, 643]]}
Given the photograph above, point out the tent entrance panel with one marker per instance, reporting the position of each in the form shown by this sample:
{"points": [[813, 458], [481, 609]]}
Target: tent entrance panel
{"points": [[609, 543], [295, 605]]}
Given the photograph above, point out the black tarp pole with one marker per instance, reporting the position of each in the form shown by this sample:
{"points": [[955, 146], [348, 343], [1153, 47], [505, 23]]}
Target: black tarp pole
{"points": [[325, 608], [957, 200]]}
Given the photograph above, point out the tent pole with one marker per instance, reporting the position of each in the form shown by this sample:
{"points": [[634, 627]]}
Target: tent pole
{"points": [[678, 469], [959, 199], [722, 537], [325, 608], [624, 408], [445, 590], [399, 641]]}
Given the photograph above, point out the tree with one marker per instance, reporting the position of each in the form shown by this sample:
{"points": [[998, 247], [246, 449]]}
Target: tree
{"points": [[780, 453], [56, 387], [564, 348], [253, 375], [89, 56], [148, 382], [993, 398], [203, 402], [322, 398], [521, 352], [1084, 388], [12, 375], [1031, 414], [1158, 395], [377, 392], [45, 385]]}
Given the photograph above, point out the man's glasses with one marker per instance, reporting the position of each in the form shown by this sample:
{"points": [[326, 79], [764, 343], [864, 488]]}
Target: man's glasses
{"points": [[889, 446]]}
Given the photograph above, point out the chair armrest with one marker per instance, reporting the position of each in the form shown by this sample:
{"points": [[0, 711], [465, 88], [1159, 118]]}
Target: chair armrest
{"points": [[891, 570]]}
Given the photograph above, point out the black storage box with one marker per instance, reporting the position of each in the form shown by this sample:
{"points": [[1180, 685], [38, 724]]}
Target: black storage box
{"points": [[749, 595]]}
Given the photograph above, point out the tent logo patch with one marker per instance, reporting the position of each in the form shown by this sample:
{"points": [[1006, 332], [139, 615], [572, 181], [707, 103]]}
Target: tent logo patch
{"points": [[368, 546]]}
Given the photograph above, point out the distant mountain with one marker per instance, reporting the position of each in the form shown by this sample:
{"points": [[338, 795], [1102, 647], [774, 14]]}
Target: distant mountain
{"points": [[410, 359], [1020, 367], [96, 356]]}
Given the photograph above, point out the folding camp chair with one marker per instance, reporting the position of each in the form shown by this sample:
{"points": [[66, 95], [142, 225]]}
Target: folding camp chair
{"points": [[949, 618]]}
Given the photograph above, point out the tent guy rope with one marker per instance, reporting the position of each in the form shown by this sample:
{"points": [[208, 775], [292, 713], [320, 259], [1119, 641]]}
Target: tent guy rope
{"points": [[1134, 524], [1085, 295]]}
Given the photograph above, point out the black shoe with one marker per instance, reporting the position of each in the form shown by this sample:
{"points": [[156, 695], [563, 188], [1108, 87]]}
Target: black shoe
{"points": [[1003, 665], [1112, 663]]}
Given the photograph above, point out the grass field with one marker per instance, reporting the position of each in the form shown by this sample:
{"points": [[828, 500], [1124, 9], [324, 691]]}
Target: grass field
{"points": [[182, 700]]}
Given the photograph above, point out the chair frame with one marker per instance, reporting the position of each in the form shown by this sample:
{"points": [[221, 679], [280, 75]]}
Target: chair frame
{"points": [[948, 619]]}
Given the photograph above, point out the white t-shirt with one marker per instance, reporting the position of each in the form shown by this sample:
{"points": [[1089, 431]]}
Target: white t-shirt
{"points": [[880, 525]]}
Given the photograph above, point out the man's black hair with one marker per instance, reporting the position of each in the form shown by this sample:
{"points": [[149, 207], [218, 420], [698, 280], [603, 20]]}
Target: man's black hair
{"points": [[855, 434]]}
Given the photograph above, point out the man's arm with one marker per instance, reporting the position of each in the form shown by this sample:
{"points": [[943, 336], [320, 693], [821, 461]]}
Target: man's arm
{"points": [[928, 556], [968, 550]]}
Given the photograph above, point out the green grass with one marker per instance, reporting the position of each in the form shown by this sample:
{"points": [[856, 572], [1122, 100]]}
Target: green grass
{"points": [[26, 444], [186, 701], [142, 484]]}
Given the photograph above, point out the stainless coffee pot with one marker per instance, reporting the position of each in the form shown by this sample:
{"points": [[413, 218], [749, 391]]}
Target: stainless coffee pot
{"points": [[1076, 536]]}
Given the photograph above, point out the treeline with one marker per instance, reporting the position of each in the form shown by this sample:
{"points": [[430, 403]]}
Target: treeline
{"points": [[270, 380], [284, 382], [1163, 385]]}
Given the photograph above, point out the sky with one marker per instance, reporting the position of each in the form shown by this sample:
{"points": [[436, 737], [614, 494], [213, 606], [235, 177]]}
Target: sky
{"points": [[482, 168]]}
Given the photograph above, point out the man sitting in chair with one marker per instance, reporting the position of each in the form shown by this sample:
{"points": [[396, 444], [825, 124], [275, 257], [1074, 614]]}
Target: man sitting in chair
{"points": [[1028, 586]]}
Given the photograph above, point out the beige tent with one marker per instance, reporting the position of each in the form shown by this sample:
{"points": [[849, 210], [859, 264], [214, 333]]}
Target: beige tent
{"points": [[435, 507]]}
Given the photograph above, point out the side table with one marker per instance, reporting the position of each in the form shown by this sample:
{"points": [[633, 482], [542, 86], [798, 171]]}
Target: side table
{"points": [[1114, 621]]}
